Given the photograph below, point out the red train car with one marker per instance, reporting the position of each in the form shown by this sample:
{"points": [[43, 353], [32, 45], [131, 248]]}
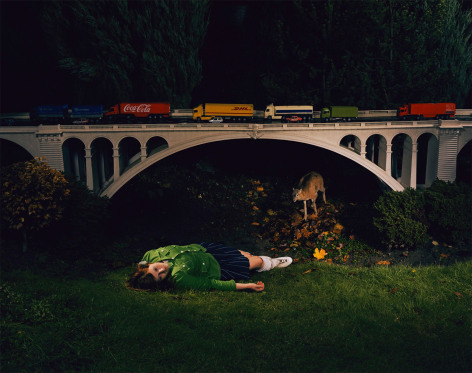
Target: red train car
{"points": [[132, 111], [419, 111]]}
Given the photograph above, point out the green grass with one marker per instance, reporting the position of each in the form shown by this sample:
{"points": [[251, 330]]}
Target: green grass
{"points": [[332, 318]]}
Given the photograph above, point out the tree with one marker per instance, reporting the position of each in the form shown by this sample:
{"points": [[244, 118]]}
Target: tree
{"points": [[32, 196], [372, 54], [128, 50]]}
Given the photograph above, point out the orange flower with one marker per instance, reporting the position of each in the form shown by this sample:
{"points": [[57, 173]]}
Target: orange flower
{"points": [[383, 263]]}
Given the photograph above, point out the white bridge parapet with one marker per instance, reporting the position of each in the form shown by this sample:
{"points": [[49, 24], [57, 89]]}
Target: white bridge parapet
{"points": [[107, 156]]}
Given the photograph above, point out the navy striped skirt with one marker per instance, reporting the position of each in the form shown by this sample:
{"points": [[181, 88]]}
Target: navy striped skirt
{"points": [[233, 264]]}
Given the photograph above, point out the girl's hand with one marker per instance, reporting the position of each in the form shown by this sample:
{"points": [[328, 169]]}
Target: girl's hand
{"points": [[251, 286], [258, 287]]}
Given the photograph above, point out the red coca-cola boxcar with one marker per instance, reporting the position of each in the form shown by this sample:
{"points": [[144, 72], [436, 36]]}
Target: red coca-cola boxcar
{"points": [[136, 111], [420, 111]]}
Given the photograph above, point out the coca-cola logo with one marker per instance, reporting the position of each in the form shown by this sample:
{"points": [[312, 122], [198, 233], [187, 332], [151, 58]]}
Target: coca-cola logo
{"points": [[141, 108]]}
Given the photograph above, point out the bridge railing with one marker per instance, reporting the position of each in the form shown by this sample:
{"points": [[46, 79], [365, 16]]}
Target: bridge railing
{"points": [[226, 126], [273, 125]]}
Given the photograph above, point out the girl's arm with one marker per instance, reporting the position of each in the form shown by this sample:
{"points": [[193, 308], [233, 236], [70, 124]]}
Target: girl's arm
{"points": [[251, 286]]}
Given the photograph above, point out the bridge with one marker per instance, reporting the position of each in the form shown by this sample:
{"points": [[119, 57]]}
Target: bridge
{"points": [[106, 157]]}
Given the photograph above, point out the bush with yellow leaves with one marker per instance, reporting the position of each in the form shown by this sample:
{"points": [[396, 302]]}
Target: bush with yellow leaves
{"points": [[32, 196]]}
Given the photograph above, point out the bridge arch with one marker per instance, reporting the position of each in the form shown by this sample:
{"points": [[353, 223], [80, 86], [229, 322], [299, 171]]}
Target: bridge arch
{"points": [[376, 150], [129, 149], [11, 152], [156, 144], [129, 174], [23, 143], [464, 164], [427, 159], [73, 155], [102, 162], [351, 142]]}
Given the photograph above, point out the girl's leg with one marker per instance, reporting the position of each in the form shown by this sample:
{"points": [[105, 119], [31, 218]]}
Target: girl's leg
{"points": [[264, 263], [255, 262]]}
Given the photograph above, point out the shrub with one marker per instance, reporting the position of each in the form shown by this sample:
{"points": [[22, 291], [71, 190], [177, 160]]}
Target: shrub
{"points": [[83, 229], [401, 220], [32, 196], [449, 210]]}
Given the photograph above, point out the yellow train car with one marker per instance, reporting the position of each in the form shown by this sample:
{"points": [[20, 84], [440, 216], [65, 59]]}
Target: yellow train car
{"points": [[228, 112]]}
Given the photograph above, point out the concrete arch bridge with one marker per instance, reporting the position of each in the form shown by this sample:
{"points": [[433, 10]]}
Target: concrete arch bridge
{"points": [[106, 157]]}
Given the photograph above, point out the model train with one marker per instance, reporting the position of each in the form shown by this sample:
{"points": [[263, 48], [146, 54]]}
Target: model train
{"points": [[158, 112]]}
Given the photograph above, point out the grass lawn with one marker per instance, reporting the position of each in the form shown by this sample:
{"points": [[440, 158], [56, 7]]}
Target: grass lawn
{"points": [[311, 317]]}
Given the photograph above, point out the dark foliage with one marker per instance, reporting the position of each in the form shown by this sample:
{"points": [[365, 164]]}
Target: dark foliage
{"points": [[400, 219], [449, 210], [83, 230], [443, 211]]}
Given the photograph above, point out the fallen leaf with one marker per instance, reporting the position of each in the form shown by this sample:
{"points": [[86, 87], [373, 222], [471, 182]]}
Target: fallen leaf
{"points": [[394, 290], [383, 263], [319, 254], [338, 228], [310, 270], [255, 223], [459, 295]]}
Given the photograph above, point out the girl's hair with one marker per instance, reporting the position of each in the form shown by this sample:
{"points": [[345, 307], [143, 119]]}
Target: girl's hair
{"points": [[141, 279]]}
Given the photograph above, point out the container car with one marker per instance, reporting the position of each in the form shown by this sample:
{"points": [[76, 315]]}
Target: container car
{"points": [[87, 114], [431, 110], [339, 113], [49, 114], [229, 112], [273, 112], [130, 112]]}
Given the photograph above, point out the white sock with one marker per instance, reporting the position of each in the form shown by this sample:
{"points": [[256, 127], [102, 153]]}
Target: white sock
{"points": [[267, 264]]}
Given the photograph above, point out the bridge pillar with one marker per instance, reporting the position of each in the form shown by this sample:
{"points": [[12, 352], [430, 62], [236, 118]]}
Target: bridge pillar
{"points": [[88, 168], [143, 153], [116, 163], [363, 152], [414, 164], [447, 157], [388, 160], [409, 164]]}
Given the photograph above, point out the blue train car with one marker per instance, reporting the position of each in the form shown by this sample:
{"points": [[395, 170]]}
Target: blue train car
{"points": [[49, 114], [86, 114]]}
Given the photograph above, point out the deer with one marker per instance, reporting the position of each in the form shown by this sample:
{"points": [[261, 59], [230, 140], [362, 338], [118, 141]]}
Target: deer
{"points": [[308, 188]]}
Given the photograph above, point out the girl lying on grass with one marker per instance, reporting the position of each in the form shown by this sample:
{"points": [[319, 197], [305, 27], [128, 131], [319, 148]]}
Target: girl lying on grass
{"points": [[205, 266]]}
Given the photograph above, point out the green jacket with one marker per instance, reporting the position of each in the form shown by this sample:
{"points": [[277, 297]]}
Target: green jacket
{"points": [[190, 267]]}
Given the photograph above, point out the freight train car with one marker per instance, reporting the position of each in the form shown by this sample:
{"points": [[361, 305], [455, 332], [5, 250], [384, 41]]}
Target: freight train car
{"points": [[88, 114], [49, 114], [229, 112], [127, 112], [433, 111], [65, 114]]}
